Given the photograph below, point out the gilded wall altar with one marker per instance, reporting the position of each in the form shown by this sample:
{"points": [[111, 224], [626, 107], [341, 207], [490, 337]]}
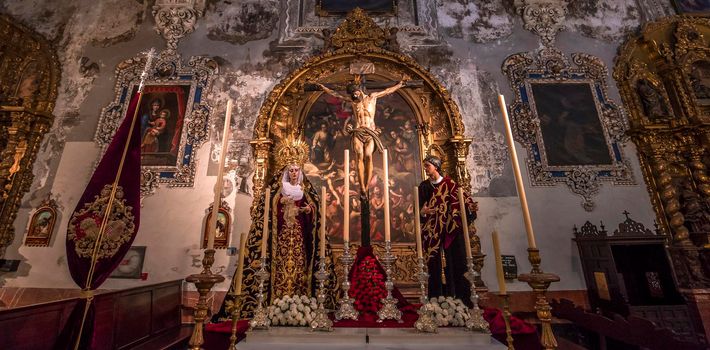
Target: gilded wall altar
{"points": [[29, 76]]}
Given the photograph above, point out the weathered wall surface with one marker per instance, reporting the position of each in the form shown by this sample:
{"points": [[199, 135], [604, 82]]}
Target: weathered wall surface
{"points": [[464, 44]]}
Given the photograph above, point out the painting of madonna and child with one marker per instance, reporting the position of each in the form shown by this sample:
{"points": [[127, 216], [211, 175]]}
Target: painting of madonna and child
{"points": [[325, 132], [162, 115]]}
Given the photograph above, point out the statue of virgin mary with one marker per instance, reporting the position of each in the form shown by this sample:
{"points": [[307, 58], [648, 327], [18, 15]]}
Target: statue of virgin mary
{"points": [[293, 240]]}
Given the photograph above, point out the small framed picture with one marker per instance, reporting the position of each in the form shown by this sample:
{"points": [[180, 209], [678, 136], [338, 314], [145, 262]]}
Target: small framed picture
{"points": [[224, 225], [692, 7], [42, 222], [132, 264]]}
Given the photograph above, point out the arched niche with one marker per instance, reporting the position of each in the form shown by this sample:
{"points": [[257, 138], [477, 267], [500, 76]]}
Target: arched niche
{"points": [[29, 77], [356, 42], [359, 39]]}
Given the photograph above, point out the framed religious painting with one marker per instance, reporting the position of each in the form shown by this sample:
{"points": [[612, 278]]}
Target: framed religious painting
{"points": [[572, 131], [42, 224], [342, 7], [323, 130], [692, 7], [224, 227], [173, 115], [131, 265]]}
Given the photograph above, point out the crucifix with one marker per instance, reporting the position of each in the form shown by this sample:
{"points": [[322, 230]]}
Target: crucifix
{"points": [[364, 137]]}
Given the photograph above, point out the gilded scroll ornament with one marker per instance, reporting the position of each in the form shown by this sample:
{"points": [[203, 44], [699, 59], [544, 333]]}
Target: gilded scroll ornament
{"points": [[176, 18], [543, 17]]}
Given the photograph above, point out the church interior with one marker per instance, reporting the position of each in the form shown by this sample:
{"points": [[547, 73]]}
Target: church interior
{"points": [[375, 174]]}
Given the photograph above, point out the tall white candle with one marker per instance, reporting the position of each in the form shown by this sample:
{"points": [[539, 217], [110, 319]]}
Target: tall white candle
{"points": [[220, 179], [240, 265], [417, 224], [518, 176], [499, 264], [464, 222], [386, 181], [322, 222], [267, 213], [346, 198]]}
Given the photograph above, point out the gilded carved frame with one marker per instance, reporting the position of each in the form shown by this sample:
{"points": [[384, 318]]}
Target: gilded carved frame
{"points": [[167, 70], [358, 39], [673, 150], [29, 78], [551, 66]]}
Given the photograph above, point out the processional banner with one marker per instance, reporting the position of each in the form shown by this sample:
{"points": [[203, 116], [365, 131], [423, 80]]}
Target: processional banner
{"points": [[103, 225]]}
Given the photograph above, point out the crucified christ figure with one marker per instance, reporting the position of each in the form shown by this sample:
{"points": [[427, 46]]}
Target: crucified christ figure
{"points": [[364, 135]]}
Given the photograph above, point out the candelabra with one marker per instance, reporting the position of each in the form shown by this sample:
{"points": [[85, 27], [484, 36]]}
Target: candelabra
{"points": [[426, 322], [389, 310], [261, 315], [204, 281], [321, 322], [539, 282], [236, 307], [506, 319], [346, 309], [475, 322]]}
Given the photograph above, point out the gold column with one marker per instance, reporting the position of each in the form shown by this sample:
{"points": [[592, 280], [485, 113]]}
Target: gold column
{"points": [[262, 149], [669, 197]]}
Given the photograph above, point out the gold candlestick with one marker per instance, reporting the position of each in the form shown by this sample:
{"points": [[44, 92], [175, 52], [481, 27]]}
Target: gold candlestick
{"points": [[540, 282], [506, 318], [204, 281], [235, 308]]}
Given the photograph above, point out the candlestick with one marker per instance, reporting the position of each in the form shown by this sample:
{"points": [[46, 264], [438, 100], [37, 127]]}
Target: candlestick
{"points": [[267, 213], [518, 176], [389, 308], [346, 198], [475, 322], [499, 264], [220, 179], [240, 264], [321, 322], [506, 320], [261, 319], [417, 224], [386, 180], [322, 223], [236, 307], [346, 310], [426, 323], [464, 222]]}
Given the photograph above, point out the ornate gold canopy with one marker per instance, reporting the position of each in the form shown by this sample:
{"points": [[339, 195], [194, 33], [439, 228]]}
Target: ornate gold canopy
{"points": [[29, 76]]}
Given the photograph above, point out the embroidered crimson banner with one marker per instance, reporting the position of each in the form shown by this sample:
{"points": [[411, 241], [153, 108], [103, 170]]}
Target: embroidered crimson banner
{"points": [[103, 225]]}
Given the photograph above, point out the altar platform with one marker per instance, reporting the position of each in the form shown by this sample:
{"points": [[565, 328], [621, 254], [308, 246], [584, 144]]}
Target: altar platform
{"points": [[302, 338]]}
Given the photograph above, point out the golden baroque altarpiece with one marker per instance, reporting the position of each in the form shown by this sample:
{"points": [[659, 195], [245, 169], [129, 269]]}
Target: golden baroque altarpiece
{"points": [[663, 75], [29, 77], [357, 41]]}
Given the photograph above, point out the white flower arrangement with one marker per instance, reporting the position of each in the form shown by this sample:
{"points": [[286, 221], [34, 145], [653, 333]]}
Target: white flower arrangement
{"points": [[293, 311], [449, 311]]}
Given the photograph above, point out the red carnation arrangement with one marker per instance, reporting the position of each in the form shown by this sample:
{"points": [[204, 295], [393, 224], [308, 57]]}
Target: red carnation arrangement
{"points": [[368, 286]]}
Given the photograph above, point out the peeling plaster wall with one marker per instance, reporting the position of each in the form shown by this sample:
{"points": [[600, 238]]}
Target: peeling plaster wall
{"points": [[473, 39]]}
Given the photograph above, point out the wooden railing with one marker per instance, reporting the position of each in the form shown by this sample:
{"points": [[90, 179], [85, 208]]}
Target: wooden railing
{"points": [[124, 318], [633, 331]]}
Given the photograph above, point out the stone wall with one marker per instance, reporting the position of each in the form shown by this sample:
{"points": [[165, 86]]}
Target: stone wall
{"points": [[256, 43]]}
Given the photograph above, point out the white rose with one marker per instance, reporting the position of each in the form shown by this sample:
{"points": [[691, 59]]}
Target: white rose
{"points": [[299, 307]]}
